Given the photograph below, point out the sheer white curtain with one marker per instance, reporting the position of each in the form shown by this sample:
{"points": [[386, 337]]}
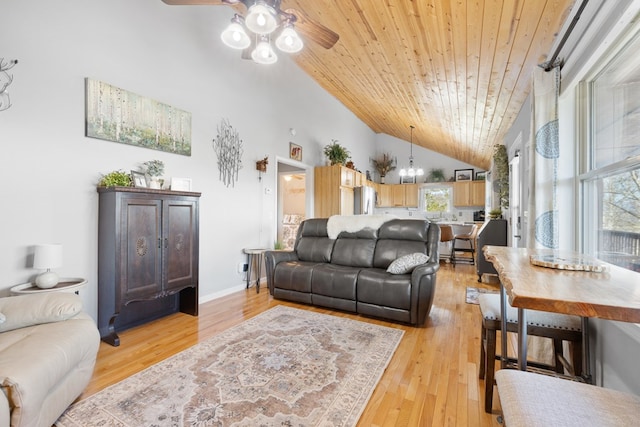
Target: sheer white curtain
{"points": [[544, 157]]}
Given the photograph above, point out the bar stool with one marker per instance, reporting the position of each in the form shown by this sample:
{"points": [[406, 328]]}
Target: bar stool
{"points": [[446, 236], [469, 238], [558, 327], [528, 399]]}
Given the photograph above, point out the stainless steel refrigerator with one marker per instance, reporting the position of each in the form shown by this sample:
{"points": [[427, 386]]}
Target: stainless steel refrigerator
{"points": [[365, 200]]}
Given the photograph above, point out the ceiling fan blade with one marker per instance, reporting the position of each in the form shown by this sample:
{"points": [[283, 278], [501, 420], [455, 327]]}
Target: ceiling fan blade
{"points": [[314, 30]]}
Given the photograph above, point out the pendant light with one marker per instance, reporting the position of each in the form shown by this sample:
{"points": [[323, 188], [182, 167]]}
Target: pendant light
{"points": [[411, 171]]}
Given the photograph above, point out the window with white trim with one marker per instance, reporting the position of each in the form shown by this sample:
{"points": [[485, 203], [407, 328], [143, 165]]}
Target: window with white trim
{"points": [[610, 183]]}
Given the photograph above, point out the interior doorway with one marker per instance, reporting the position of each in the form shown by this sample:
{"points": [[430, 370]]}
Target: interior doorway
{"points": [[293, 197]]}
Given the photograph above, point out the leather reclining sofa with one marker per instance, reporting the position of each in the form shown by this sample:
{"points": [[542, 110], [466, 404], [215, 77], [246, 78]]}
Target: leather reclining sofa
{"points": [[350, 272]]}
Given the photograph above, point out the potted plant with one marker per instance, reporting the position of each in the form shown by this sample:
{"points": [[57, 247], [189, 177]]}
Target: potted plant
{"points": [[436, 175], [336, 153], [115, 179], [155, 169], [501, 174], [384, 165], [495, 213]]}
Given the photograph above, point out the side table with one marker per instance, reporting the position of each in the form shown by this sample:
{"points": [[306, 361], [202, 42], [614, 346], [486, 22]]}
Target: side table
{"points": [[254, 255], [65, 285]]}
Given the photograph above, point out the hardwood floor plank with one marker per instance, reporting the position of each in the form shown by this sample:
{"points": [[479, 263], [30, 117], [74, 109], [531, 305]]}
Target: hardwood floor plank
{"points": [[432, 379]]}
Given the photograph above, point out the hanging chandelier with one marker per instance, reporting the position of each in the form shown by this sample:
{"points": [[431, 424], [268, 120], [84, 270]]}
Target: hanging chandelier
{"points": [[264, 20], [411, 171]]}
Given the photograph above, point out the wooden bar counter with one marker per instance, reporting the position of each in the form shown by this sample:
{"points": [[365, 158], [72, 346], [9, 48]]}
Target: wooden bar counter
{"points": [[612, 294]]}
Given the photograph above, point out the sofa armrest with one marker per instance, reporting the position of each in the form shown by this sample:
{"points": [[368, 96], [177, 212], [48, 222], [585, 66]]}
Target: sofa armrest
{"points": [[273, 258], [423, 284]]}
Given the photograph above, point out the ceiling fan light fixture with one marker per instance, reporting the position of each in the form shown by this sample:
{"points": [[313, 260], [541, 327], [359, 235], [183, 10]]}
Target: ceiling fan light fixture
{"points": [[235, 35], [261, 18], [263, 53], [289, 41]]}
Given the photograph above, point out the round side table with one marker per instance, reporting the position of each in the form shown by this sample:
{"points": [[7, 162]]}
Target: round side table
{"points": [[65, 285], [254, 255]]}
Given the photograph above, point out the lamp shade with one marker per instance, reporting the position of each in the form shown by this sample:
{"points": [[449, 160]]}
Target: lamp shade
{"points": [[289, 41], [47, 256], [261, 18], [235, 36], [263, 53]]}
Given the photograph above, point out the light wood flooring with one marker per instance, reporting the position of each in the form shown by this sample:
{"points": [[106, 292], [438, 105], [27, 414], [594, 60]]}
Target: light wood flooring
{"points": [[432, 379]]}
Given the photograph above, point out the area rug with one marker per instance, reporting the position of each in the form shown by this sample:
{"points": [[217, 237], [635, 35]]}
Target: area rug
{"points": [[284, 367], [472, 293]]}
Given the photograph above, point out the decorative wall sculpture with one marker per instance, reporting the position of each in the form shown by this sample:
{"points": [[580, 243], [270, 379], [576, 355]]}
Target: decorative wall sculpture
{"points": [[5, 81], [228, 148], [118, 115]]}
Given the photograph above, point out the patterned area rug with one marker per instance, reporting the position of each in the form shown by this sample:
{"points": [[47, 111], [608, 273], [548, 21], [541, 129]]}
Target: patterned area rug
{"points": [[472, 293], [284, 367]]}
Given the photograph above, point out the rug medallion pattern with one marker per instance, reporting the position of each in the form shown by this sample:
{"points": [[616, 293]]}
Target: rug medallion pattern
{"points": [[284, 367]]}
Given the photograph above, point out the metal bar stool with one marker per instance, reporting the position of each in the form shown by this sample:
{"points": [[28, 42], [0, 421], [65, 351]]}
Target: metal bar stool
{"points": [[446, 236], [469, 238], [558, 327]]}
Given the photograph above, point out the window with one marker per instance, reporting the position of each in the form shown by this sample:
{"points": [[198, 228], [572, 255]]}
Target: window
{"points": [[611, 182], [436, 201]]}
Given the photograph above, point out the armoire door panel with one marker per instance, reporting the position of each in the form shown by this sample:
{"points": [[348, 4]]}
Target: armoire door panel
{"points": [[179, 243], [142, 274]]}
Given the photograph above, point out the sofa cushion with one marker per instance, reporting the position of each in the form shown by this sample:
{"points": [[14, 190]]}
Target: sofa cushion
{"points": [[335, 281], [404, 229], [313, 243], [405, 264], [376, 286], [294, 275], [355, 249], [28, 310]]}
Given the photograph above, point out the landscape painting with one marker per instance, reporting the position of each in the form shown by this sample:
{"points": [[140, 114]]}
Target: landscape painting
{"points": [[118, 115]]}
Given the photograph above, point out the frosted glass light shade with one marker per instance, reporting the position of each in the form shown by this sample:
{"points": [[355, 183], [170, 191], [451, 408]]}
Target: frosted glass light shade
{"points": [[289, 41], [235, 36], [263, 53], [261, 18]]}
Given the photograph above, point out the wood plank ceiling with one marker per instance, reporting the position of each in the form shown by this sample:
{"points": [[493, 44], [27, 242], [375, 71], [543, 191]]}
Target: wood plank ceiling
{"points": [[458, 70]]}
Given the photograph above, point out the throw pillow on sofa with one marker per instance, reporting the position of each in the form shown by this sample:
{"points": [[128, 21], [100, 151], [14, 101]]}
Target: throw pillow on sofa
{"points": [[405, 264]]}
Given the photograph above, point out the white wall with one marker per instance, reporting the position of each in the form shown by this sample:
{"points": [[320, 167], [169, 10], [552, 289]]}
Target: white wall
{"points": [[173, 54], [422, 157]]}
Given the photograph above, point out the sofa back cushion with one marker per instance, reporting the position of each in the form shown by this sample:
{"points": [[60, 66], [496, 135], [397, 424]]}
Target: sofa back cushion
{"points": [[400, 237], [355, 249], [313, 243]]}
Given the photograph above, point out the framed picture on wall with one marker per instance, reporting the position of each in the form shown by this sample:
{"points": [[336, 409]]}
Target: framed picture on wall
{"points": [[464, 175], [407, 179], [481, 175], [295, 152]]}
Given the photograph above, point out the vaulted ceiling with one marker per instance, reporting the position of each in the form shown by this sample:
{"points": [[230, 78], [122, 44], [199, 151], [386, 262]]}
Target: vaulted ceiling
{"points": [[458, 70]]}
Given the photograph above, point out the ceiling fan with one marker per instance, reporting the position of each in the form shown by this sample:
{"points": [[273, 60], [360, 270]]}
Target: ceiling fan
{"points": [[264, 18]]}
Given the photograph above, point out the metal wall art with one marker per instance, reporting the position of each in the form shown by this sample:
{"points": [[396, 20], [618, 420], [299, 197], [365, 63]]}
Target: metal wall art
{"points": [[118, 115], [228, 148], [5, 81]]}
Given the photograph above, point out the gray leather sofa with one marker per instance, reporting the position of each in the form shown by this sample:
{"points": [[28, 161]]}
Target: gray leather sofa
{"points": [[350, 272]]}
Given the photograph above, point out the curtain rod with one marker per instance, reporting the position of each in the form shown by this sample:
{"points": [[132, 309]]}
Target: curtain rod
{"points": [[548, 66]]}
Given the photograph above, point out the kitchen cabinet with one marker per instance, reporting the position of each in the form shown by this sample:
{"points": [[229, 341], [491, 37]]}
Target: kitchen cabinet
{"points": [[398, 195], [333, 190], [469, 193], [148, 247]]}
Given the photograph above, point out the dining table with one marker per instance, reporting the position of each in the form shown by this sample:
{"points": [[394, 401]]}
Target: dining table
{"points": [[565, 282]]}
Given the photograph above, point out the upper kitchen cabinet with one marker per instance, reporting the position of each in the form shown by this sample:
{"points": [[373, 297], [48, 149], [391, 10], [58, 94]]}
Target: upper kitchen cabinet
{"points": [[469, 193]]}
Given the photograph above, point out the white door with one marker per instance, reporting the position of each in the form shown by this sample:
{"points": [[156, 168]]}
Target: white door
{"points": [[515, 219]]}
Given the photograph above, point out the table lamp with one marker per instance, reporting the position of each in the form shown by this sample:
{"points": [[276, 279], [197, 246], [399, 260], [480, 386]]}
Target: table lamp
{"points": [[47, 257]]}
